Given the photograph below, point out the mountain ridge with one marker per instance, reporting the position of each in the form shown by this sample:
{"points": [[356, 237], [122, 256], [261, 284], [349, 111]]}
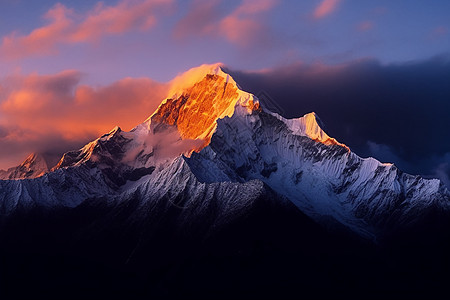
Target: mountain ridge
{"points": [[225, 135], [243, 202], [35, 165]]}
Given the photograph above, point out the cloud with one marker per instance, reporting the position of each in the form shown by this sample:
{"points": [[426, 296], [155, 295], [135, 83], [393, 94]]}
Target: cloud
{"points": [[402, 106], [442, 171], [431, 166], [169, 144], [439, 32], [189, 78], [41, 40], [42, 112], [125, 16], [365, 26], [325, 8], [66, 27], [200, 20], [386, 154], [242, 26]]}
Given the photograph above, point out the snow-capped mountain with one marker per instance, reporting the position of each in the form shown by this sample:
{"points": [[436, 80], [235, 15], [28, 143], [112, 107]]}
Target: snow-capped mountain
{"points": [[33, 166], [215, 196], [211, 140]]}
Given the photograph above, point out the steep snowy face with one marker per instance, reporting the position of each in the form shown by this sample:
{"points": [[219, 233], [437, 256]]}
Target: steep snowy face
{"points": [[318, 174], [195, 110], [34, 166], [308, 125]]}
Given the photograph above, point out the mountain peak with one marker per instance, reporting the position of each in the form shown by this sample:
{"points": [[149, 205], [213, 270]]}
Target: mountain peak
{"points": [[198, 99], [192, 76], [35, 165], [202, 95], [33, 159], [112, 132], [310, 125]]}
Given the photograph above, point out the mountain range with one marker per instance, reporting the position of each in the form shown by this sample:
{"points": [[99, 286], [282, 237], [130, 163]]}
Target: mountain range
{"points": [[214, 194]]}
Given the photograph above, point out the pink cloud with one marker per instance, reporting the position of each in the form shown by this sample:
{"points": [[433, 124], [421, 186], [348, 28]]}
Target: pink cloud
{"points": [[199, 20], [325, 8], [36, 109], [240, 31], [249, 7], [125, 16], [66, 27], [40, 40], [365, 26], [242, 26]]}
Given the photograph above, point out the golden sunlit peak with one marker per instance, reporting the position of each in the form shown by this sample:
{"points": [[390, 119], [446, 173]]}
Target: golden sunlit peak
{"points": [[114, 130], [190, 80], [310, 125], [192, 76], [203, 95]]}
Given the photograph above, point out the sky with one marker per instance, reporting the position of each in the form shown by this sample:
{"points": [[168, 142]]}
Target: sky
{"points": [[375, 71]]}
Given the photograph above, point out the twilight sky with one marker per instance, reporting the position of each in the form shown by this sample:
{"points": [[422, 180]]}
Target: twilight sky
{"points": [[373, 70]]}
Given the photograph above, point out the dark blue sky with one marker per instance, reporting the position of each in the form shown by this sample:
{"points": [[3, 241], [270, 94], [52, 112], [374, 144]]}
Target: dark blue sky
{"points": [[241, 34]]}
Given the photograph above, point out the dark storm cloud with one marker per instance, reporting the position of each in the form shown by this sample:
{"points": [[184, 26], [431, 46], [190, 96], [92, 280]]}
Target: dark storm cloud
{"points": [[395, 112]]}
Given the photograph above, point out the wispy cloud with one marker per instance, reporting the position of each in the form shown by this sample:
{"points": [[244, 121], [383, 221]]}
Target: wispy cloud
{"points": [[200, 20], [439, 32], [65, 26], [242, 26], [41, 40], [325, 8], [365, 26]]}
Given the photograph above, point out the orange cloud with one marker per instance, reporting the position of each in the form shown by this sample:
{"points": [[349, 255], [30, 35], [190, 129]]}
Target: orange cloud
{"points": [[43, 103], [242, 26], [40, 40], [38, 108], [66, 27], [325, 8]]}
